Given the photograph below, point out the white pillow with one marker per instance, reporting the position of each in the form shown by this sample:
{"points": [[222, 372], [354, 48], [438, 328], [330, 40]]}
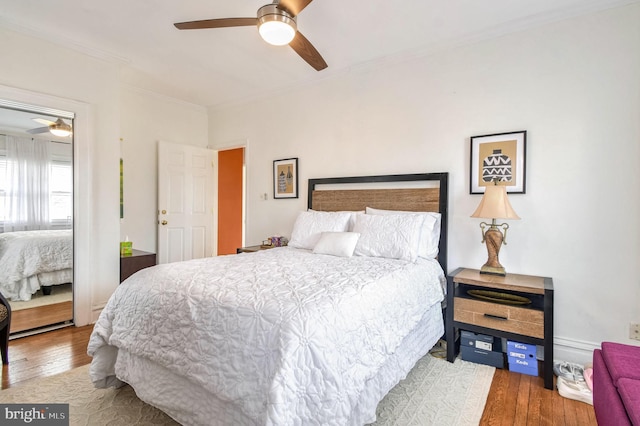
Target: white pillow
{"points": [[352, 220], [311, 224], [390, 236], [337, 243], [429, 233]]}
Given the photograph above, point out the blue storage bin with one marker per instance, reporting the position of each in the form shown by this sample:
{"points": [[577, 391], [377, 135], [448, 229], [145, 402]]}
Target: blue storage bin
{"points": [[522, 358]]}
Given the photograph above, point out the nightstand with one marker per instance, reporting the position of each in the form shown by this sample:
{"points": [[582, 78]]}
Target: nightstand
{"points": [[132, 263], [527, 323], [252, 249]]}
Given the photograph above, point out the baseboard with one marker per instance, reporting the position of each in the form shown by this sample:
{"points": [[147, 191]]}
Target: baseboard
{"points": [[96, 310], [571, 350], [95, 314]]}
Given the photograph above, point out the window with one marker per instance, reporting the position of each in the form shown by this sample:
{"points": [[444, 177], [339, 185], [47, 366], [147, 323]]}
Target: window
{"points": [[3, 185], [61, 192]]}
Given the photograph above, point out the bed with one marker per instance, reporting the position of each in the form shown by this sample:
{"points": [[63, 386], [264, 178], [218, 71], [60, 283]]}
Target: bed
{"points": [[30, 260], [313, 333]]}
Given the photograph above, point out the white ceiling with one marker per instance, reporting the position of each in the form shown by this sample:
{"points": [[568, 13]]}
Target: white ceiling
{"points": [[220, 66]]}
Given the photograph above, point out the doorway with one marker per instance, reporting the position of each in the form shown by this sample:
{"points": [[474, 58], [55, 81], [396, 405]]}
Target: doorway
{"points": [[231, 205], [186, 194]]}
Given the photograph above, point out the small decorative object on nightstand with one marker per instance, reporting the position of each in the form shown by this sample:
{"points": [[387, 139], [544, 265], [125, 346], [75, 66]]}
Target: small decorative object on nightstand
{"points": [[516, 307], [494, 205], [269, 243]]}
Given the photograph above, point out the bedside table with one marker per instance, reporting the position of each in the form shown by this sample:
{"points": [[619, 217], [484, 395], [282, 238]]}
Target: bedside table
{"points": [[531, 323], [252, 249], [138, 259]]}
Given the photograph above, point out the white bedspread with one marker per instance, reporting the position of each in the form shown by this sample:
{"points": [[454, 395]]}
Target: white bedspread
{"points": [[287, 336], [25, 254]]}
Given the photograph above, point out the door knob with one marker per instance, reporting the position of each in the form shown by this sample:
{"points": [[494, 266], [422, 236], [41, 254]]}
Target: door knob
{"points": [[164, 222]]}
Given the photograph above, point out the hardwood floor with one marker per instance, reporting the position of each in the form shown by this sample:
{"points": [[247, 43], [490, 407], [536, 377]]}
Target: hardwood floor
{"points": [[514, 399], [46, 354], [27, 319], [518, 399]]}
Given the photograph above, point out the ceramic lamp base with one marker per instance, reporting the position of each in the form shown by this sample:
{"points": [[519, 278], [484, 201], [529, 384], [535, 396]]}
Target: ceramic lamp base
{"points": [[493, 238]]}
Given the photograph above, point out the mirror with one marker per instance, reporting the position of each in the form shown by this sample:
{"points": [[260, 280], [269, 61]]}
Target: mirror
{"points": [[36, 215]]}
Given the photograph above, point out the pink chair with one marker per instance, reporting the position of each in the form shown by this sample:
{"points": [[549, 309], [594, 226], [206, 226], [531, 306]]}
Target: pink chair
{"points": [[616, 384]]}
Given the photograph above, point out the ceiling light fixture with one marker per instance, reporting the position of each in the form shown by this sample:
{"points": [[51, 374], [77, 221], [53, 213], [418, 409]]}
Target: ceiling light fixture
{"points": [[276, 26], [60, 129]]}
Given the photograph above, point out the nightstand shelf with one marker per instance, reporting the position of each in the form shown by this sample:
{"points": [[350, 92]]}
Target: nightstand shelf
{"points": [[527, 323]]}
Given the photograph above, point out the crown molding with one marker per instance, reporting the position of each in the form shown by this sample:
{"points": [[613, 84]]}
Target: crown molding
{"points": [[163, 97]]}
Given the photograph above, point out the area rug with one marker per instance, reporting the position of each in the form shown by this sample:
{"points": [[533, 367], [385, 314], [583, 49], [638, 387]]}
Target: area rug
{"points": [[435, 392]]}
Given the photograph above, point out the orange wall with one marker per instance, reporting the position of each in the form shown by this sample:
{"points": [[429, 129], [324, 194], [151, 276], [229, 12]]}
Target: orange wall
{"points": [[230, 164]]}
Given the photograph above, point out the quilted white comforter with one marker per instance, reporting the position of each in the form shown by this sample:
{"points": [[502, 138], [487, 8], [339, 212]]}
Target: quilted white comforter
{"points": [[25, 254], [284, 335]]}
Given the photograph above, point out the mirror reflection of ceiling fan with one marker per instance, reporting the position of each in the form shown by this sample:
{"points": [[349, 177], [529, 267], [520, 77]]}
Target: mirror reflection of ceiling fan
{"points": [[276, 24], [57, 128]]}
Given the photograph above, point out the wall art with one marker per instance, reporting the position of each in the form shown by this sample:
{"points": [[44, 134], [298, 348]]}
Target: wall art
{"points": [[285, 178], [500, 157]]}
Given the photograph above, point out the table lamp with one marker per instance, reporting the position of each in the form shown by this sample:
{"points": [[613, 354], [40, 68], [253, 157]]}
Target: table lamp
{"points": [[494, 205]]}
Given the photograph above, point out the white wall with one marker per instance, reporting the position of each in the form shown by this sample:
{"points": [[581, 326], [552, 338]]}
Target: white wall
{"points": [[36, 71], [147, 118], [47, 74], [572, 85]]}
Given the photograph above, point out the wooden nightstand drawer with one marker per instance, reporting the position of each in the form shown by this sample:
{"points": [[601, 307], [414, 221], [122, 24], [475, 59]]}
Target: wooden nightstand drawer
{"points": [[527, 322]]}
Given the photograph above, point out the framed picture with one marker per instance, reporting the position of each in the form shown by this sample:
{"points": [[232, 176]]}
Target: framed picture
{"points": [[499, 157], [285, 178]]}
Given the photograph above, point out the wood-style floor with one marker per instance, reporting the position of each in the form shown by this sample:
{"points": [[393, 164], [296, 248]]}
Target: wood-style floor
{"points": [[46, 354], [28, 319], [514, 399], [518, 399]]}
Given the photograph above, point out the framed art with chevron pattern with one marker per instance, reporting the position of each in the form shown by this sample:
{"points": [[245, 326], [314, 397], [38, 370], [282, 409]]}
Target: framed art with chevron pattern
{"points": [[499, 157]]}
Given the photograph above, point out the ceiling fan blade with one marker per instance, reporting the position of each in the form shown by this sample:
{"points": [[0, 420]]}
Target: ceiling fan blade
{"points": [[38, 130], [293, 6], [44, 121], [305, 49], [216, 23]]}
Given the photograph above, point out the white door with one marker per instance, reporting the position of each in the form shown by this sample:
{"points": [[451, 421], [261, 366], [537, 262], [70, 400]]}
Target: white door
{"points": [[186, 188]]}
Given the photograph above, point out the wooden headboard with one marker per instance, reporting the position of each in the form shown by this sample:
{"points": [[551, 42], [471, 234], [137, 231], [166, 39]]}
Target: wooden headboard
{"points": [[426, 192]]}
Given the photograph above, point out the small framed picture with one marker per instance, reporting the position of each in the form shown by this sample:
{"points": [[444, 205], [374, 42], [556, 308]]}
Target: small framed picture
{"points": [[285, 178], [500, 157]]}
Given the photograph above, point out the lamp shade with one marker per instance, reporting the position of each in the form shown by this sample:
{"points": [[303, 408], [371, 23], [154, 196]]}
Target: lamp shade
{"points": [[495, 204], [276, 26]]}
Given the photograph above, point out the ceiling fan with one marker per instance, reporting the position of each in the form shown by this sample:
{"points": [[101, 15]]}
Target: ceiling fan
{"points": [[276, 23], [57, 128]]}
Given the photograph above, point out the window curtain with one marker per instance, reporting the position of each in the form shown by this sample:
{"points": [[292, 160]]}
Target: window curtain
{"points": [[27, 184]]}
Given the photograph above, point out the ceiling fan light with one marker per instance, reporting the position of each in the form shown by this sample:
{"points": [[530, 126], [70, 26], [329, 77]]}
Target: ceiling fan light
{"points": [[60, 129], [276, 26], [63, 133]]}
